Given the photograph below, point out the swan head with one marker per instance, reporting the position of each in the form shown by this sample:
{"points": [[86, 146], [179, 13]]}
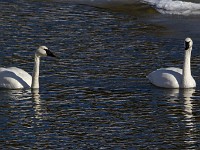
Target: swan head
{"points": [[44, 51], [188, 43]]}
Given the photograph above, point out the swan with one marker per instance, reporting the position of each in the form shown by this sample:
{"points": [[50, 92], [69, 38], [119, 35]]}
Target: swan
{"points": [[175, 77], [16, 78]]}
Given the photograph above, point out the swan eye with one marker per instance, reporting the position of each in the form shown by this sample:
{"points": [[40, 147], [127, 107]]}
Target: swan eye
{"points": [[45, 49]]}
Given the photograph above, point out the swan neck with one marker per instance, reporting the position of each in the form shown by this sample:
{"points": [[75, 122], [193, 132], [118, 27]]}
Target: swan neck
{"points": [[35, 76], [186, 66]]}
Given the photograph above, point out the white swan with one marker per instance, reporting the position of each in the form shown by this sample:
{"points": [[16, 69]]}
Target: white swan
{"points": [[175, 77], [16, 78]]}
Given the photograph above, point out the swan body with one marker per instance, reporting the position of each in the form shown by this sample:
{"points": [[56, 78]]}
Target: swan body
{"points": [[16, 78], [175, 77]]}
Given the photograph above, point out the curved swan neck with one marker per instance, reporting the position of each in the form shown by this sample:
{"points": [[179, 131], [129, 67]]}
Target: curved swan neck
{"points": [[186, 67], [35, 76]]}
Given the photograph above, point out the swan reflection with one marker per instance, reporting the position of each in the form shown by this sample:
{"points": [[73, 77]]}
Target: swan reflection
{"points": [[24, 99], [38, 105], [189, 117], [187, 96]]}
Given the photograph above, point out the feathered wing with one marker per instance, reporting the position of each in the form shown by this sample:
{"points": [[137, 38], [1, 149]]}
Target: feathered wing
{"points": [[14, 78], [166, 77]]}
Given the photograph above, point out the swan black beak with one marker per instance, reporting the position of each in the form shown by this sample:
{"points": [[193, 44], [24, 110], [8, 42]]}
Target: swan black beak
{"points": [[187, 45], [49, 53]]}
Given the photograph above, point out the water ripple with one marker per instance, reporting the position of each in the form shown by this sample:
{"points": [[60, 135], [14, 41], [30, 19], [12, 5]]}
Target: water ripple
{"points": [[95, 95]]}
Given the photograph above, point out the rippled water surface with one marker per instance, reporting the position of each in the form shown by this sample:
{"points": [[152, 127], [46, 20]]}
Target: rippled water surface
{"points": [[95, 95]]}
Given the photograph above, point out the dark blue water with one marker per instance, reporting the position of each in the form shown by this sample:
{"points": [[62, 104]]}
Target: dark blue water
{"points": [[96, 95]]}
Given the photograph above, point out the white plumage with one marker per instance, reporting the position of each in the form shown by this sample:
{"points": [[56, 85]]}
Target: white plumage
{"points": [[175, 77], [16, 78]]}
